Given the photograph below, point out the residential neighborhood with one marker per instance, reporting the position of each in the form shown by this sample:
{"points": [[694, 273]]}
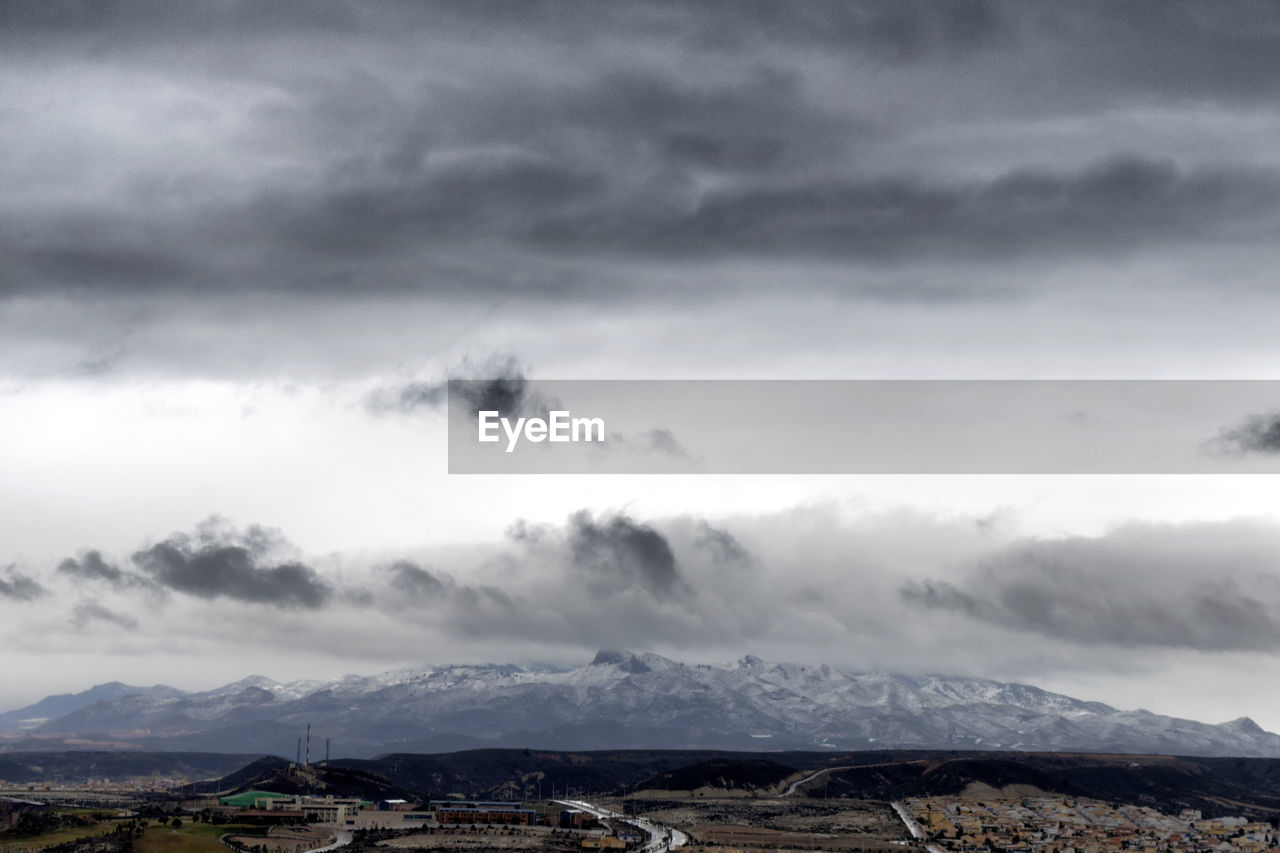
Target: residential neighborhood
{"points": [[1068, 825]]}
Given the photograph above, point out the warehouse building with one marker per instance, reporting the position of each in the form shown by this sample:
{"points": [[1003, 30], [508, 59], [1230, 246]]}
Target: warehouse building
{"points": [[488, 813]]}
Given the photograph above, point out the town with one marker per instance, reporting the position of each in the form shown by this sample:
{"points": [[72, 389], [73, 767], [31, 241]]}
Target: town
{"points": [[643, 801], [143, 818], [102, 816], [1070, 825]]}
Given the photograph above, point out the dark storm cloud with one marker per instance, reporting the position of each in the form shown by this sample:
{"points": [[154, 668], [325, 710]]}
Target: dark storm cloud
{"points": [[19, 587], [224, 563], [78, 264], [91, 566], [1121, 203], [89, 611], [612, 552], [905, 28], [406, 398], [1118, 204], [1256, 434], [1213, 588], [690, 131], [722, 544], [415, 581], [499, 383], [902, 30], [491, 197], [113, 23], [619, 553], [1185, 46], [414, 584], [601, 166]]}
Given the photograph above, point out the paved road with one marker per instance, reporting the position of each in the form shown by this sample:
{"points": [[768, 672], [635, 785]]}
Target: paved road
{"points": [[913, 827], [661, 838], [794, 785], [791, 789], [342, 840]]}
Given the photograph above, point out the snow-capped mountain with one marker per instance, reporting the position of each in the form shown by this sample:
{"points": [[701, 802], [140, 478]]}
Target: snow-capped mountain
{"points": [[623, 700]]}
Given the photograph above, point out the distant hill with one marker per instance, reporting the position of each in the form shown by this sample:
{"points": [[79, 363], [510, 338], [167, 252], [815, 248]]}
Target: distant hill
{"points": [[245, 777], [77, 766], [484, 773], [52, 707], [730, 774], [283, 777], [1213, 785], [1169, 783]]}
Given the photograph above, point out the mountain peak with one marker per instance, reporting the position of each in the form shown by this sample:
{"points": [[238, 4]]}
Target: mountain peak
{"points": [[608, 656], [1244, 724], [631, 661]]}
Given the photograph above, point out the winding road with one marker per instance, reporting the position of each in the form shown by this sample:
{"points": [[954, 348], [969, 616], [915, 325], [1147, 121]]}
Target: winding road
{"points": [[913, 827], [661, 838], [791, 789]]}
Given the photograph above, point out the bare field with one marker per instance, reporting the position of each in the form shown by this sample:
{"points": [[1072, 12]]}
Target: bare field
{"points": [[53, 837], [782, 823], [288, 839], [488, 839]]}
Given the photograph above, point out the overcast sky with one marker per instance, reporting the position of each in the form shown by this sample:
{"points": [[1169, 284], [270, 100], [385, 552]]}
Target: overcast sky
{"points": [[242, 244]]}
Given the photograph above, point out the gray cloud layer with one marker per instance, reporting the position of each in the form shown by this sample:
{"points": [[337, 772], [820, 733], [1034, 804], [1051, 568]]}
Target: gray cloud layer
{"points": [[1211, 588], [370, 189], [804, 579], [452, 148], [91, 611]]}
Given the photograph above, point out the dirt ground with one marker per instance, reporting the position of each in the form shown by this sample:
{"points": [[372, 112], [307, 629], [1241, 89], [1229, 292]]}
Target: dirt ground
{"points": [[488, 839], [784, 823], [289, 838]]}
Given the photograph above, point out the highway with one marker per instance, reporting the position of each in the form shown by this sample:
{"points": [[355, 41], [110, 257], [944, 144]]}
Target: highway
{"points": [[661, 838], [913, 827], [796, 784], [340, 839]]}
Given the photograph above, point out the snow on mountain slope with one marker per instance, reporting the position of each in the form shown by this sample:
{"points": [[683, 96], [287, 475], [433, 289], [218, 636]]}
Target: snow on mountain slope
{"points": [[623, 700]]}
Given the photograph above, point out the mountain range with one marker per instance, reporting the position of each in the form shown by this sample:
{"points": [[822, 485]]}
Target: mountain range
{"points": [[621, 700]]}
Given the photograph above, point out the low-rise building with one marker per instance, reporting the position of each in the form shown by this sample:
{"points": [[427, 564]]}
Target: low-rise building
{"points": [[487, 813], [322, 811]]}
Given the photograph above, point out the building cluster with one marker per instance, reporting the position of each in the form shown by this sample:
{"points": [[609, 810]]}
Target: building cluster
{"points": [[340, 812], [1067, 825], [457, 812], [353, 813], [100, 785]]}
